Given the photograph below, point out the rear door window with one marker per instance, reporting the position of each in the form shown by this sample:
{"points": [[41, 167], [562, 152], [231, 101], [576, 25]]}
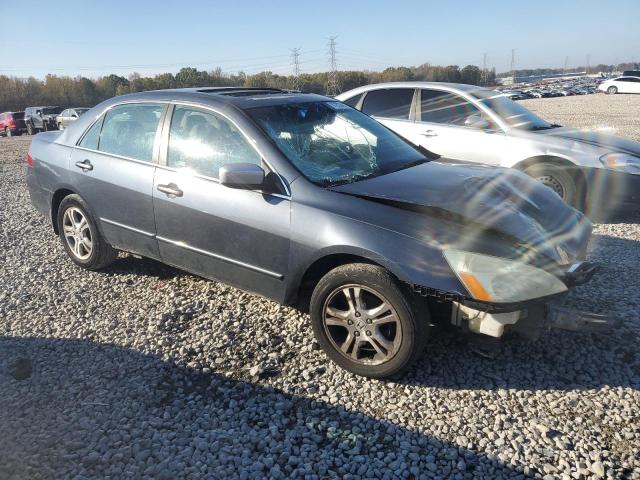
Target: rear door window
{"points": [[130, 130], [389, 103]]}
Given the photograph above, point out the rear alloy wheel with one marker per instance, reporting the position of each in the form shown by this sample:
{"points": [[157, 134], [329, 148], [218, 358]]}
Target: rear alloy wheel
{"points": [[363, 321], [80, 236], [559, 179], [612, 90]]}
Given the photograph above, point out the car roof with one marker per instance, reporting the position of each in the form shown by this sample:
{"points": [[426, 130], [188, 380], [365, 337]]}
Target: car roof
{"points": [[453, 87], [240, 97]]}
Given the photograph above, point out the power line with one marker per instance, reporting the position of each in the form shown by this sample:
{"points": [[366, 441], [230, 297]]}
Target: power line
{"points": [[295, 60], [333, 87]]}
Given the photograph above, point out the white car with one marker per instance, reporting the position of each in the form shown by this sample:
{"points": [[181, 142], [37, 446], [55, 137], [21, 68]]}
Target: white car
{"points": [[469, 124], [621, 85]]}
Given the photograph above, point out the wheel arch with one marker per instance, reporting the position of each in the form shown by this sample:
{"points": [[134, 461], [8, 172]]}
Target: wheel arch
{"points": [[575, 171], [322, 265], [56, 200]]}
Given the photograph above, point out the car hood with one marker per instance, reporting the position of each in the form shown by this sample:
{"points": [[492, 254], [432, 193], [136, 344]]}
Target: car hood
{"points": [[485, 199], [597, 139]]}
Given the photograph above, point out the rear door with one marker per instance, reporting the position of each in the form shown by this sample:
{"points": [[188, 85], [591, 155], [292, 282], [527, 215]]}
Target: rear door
{"points": [[237, 236], [113, 168]]}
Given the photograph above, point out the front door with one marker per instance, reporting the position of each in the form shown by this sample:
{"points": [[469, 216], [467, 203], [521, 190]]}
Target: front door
{"points": [[113, 169], [237, 236]]}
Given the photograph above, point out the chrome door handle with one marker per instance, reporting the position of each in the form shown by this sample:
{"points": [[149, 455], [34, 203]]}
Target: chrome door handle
{"points": [[171, 190], [85, 165], [429, 133]]}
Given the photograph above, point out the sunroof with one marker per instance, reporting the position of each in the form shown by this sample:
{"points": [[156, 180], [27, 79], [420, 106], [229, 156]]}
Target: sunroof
{"points": [[241, 92]]}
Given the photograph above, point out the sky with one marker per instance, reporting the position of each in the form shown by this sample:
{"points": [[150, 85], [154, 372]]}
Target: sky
{"points": [[94, 38]]}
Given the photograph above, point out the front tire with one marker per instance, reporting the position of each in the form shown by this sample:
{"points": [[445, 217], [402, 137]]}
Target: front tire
{"points": [[60, 126], [29, 129], [559, 179], [612, 90], [80, 236], [364, 322]]}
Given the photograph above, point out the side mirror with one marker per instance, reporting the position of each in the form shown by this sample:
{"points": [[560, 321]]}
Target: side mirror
{"points": [[241, 175], [476, 121]]}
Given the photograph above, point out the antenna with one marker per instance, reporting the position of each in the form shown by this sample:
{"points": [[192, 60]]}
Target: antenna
{"points": [[295, 62], [333, 87]]}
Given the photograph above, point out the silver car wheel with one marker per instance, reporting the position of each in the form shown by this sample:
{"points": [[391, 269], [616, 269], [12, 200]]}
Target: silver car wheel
{"points": [[362, 325], [553, 183], [77, 233]]}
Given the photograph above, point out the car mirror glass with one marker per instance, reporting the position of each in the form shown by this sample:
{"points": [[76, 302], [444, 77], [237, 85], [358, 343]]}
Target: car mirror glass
{"points": [[242, 175]]}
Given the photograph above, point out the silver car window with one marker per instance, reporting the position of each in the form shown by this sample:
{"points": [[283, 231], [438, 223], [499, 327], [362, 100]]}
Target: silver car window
{"points": [[203, 142], [444, 107]]}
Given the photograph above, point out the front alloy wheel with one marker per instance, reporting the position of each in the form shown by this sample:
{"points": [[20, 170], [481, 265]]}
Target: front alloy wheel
{"points": [[612, 90], [362, 325], [364, 321]]}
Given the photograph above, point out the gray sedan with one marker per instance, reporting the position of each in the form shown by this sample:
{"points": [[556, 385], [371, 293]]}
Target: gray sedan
{"points": [[311, 203]]}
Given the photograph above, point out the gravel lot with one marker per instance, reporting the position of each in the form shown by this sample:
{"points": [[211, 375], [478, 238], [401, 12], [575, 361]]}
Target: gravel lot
{"points": [[144, 371]]}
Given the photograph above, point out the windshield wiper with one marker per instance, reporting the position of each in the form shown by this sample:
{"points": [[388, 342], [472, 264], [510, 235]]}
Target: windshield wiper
{"points": [[414, 163]]}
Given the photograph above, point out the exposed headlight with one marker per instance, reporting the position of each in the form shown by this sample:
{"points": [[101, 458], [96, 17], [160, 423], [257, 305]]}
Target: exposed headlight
{"points": [[622, 162], [497, 280]]}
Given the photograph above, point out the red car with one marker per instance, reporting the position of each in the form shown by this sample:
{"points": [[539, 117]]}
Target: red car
{"points": [[12, 123]]}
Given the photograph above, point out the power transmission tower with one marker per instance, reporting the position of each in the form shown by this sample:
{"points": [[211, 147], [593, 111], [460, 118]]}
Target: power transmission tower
{"points": [[295, 62], [333, 88], [588, 61], [566, 64], [484, 68], [513, 65]]}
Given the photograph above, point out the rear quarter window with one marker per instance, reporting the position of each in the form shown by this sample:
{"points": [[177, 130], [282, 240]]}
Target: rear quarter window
{"points": [[389, 103]]}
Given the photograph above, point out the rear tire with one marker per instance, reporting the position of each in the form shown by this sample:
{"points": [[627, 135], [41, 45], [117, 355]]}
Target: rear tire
{"points": [[80, 236], [375, 320], [612, 90], [560, 179]]}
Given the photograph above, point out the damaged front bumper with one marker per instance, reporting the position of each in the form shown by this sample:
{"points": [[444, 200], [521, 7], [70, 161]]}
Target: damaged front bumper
{"points": [[528, 319]]}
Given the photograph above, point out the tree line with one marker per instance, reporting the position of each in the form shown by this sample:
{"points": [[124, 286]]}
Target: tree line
{"points": [[17, 93]]}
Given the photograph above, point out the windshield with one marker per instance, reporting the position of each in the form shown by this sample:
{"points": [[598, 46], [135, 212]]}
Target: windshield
{"points": [[332, 143], [51, 110], [513, 113]]}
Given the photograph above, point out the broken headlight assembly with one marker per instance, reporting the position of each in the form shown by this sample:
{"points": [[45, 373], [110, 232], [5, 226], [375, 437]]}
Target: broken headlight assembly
{"points": [[621, 162], [498, 280]]}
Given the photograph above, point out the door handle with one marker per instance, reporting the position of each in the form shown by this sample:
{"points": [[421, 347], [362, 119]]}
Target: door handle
{"points": [[171, 190], [429, 133], [85, 165]]}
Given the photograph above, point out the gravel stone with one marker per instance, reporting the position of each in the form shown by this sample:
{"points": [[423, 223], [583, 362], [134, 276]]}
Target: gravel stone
{"points": [[145, 371]]}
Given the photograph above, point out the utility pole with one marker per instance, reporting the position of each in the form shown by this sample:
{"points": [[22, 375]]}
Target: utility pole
{"points": [[588, 62], [513, 65], [295, 61], [484, 68], [333, 88], [566, 64]]}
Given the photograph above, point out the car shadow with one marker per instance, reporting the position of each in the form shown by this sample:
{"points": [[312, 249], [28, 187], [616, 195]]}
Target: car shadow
{"points": [[75, 408], [128, 264]]}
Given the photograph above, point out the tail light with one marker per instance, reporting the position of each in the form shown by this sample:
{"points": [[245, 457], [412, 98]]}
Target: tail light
{"points": [[29, 158]]}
